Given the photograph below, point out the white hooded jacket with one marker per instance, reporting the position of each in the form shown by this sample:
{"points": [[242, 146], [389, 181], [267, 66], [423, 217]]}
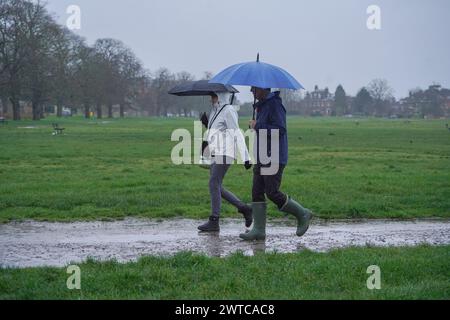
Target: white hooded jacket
{"points": [[225, 138]]}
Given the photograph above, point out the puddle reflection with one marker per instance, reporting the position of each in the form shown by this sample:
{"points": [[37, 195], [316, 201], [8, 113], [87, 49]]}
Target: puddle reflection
{"points": [[258, 247], [212, 243], [219, 246]]}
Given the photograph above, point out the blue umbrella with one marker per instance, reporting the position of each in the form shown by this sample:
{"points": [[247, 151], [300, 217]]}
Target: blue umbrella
{"points": [[257, 74]]}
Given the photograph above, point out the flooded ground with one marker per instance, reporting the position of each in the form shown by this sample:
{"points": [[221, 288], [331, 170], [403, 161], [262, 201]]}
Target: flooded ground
{"points": [[30, 244]]}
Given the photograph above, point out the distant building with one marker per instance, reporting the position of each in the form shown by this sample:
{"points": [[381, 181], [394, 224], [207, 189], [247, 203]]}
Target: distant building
{"points": [[319, 102], [433, 102], [403, 108]]}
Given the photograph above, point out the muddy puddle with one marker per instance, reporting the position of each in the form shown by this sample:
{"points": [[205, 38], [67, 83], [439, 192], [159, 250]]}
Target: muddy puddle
{"points": [[30, 244]]}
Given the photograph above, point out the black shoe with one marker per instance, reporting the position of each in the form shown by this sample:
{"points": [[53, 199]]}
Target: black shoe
{"points": [[248, 215], [211, 226]]}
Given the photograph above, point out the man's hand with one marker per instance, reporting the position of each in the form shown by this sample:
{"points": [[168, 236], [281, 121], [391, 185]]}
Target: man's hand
{"points": [[247, 165], [252, 124], [204, 120]]}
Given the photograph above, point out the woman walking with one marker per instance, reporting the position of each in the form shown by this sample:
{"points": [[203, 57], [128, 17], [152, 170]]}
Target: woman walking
{"points": [[225, 141]]}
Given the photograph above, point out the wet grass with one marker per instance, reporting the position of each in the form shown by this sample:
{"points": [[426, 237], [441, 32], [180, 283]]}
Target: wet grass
{"points": [[341, 168], [406, 273]]}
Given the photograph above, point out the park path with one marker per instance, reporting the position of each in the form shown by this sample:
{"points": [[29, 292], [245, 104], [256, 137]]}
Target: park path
{"points": [[31, 244]]}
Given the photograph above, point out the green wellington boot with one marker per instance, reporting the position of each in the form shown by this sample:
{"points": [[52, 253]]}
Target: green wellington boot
{"points": [[259, 223], [303, 215]]}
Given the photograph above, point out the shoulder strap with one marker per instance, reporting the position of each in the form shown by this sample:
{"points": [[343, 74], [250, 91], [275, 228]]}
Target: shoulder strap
{"points": [[215, 117]]}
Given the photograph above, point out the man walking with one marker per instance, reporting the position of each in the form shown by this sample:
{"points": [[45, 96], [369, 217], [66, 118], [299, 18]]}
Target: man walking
{"points": [[271, 115]]}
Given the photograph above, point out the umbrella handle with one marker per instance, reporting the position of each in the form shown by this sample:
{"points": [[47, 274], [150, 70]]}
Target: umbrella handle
{"points": [[254, 112]]}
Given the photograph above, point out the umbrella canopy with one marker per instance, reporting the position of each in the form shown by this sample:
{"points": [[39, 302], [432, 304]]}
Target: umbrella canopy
{"points": [[201, 88], [257, 74]]}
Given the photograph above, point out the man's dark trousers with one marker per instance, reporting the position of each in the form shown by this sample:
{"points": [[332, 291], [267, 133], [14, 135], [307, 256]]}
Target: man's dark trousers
{"points": [[268, 185]]}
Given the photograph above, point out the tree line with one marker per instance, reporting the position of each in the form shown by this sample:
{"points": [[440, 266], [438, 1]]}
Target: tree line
{"points": [[43, 63], [374, 100]]}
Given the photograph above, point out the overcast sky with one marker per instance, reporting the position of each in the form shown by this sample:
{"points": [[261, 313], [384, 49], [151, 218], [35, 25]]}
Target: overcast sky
{"points": [[323, 42]]}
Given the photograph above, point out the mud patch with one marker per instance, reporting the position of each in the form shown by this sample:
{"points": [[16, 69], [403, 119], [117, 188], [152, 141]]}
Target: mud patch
{"points": [[31, 244]]}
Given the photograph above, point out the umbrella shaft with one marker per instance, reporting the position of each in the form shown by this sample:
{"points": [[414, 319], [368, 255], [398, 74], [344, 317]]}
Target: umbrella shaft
{"points": [[254, 112]]}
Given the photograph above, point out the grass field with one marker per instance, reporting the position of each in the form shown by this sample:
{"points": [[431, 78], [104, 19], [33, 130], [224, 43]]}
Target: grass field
{"points": [[341, 168], [406, 273]]}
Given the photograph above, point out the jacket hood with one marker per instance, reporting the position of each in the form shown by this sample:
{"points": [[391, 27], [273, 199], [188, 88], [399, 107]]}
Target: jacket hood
{"points": [[224, 98], [273, 97]]}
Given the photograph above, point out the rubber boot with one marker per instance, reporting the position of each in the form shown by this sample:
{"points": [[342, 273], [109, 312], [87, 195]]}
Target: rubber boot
{"points": [[211, 226], [259, 223], [248, 215], [303, 215]]}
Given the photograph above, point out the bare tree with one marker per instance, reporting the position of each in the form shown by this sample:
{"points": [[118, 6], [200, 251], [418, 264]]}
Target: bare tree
{"points": [[119, 70], [129, 71], [162, 81], [85, 84], [13, 50], [64, 61], [207, 75], [28, 34], [183, 106], [145, 99], [382, 95], [40, 74]]}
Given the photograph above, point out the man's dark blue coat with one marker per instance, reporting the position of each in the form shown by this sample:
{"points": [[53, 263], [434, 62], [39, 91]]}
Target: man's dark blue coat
{"points": [[271, 114]]}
